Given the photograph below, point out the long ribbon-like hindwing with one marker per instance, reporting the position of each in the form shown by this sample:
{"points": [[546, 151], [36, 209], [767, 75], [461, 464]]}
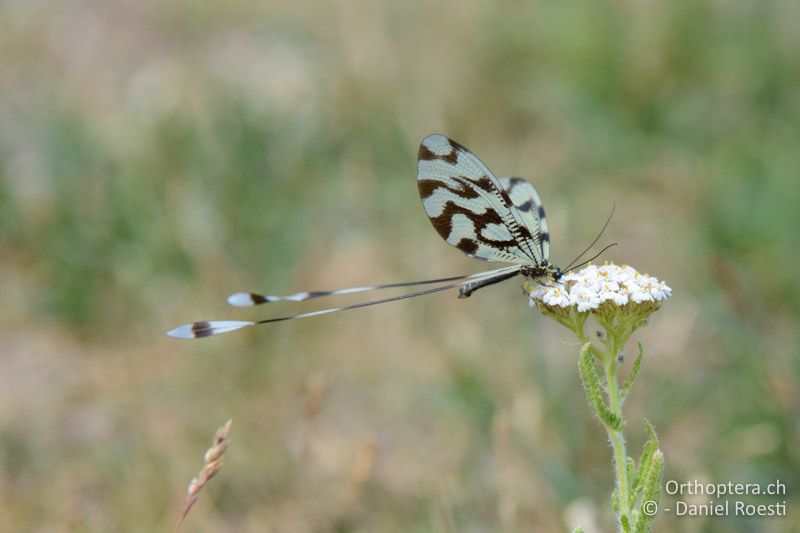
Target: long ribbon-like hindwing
{"points": [[207, 328], [248, 299]]}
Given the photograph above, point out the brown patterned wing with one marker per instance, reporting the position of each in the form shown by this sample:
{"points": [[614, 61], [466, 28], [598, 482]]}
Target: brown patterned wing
{"points": [[469, 207], [525, 198]]}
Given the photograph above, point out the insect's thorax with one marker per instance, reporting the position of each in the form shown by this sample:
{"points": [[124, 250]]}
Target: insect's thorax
{"points": [[544, 270]]}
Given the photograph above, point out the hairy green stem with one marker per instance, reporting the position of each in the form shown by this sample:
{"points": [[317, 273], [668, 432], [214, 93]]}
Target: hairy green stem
{"points": [[615, 434], [610, 413]]}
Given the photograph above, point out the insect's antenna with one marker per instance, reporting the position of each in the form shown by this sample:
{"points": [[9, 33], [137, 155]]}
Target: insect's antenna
{"points": [[598, 254], [608, 220]]}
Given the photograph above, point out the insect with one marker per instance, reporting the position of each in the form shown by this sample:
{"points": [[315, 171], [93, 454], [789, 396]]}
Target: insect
{"points": [[485, 217]]}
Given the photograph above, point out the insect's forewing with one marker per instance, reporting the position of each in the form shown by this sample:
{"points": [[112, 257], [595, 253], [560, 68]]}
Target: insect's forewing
{"points": [[469, 207], [525, 198]]}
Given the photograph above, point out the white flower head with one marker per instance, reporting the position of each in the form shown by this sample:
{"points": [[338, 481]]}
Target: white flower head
{"points": [[602, 289]]}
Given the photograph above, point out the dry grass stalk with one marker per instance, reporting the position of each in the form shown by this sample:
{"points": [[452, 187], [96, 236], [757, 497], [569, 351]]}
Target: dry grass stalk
{"points": [[362, 471], [212, 462], [316, 393]]}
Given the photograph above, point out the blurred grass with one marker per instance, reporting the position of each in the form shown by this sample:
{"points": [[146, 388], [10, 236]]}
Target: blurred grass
{"points": [[156, 157]]}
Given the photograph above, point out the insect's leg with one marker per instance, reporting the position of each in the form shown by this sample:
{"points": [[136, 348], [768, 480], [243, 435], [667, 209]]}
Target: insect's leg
{"points": [[525, 283], [467, 289]]}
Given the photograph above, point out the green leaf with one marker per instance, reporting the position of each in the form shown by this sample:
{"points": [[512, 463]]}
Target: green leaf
{"points": [[652, 490], [645, 459], [626, 526], [591, 385], [630, 472], [634, 372]]}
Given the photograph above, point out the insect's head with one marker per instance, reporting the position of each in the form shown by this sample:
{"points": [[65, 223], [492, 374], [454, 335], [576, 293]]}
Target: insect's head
{"points": [[552, 272], [555, 272], [544, 270]]}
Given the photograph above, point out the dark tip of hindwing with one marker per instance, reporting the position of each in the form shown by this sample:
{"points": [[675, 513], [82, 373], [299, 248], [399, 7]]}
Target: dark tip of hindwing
{"points": [[258, 299], [247, 299], [202, 329]]}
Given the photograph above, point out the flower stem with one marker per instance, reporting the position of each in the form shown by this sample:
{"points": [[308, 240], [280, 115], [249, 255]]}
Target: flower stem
{"points": [[610, 414], [615, 434]]}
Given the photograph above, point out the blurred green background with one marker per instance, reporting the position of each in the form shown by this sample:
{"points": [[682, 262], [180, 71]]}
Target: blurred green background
{"points": [[157, 156]]}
